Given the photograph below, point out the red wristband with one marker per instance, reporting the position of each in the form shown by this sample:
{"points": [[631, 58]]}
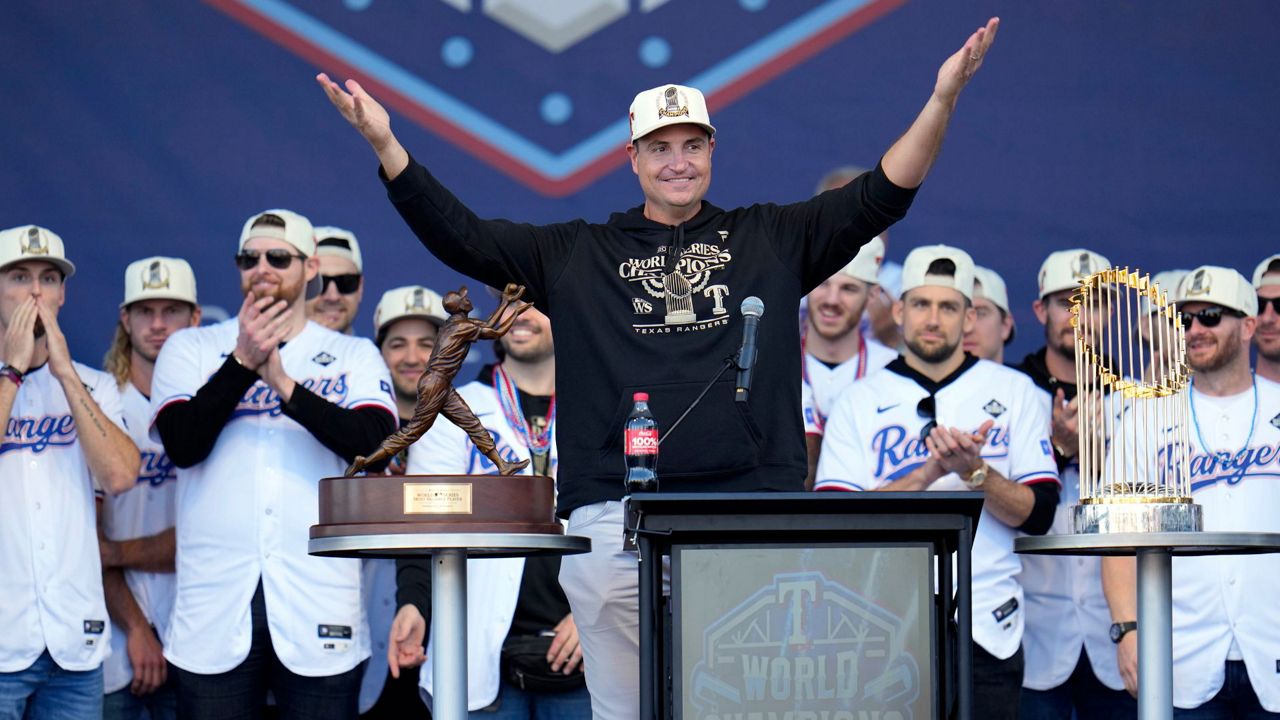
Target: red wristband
{"points": [[12, 373]]}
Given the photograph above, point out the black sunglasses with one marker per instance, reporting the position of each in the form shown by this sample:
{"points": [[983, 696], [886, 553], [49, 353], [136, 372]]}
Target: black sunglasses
{"points": [[927, 408], [1264, 302], [1208, 317], [276, 258], [346, 284]]}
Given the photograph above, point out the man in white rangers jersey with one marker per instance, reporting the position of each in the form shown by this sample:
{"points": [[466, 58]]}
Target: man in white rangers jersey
{"points": [[1070, 656], [339, 287], [137, 541], [939, 419], [1226, 641], [506, 598], [62, 433], [254, 411], [405, 324], [836, 351]]}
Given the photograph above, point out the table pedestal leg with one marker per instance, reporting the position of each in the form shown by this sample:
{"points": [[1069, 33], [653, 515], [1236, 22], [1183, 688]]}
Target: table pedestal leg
{"points": [[449, 634], [1155, 634]]}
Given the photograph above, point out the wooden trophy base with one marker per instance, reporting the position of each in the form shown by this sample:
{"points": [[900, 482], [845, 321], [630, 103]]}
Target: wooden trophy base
{"points": [[451, 504]]}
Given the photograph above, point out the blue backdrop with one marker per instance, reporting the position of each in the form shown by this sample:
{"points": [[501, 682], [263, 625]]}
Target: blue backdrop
{"points": [[1141, 129]]}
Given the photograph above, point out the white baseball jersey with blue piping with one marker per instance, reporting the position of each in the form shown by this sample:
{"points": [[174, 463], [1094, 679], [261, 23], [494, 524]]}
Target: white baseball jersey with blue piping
{"points": [[244, 511], [50, 573], [145, 510], [1224, 606], [821, 384], [872, 438], [493, 585]]}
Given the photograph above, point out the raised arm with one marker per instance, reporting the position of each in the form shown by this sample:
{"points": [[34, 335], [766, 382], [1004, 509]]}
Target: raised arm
{"points": [[909, 160], [372, 121]]}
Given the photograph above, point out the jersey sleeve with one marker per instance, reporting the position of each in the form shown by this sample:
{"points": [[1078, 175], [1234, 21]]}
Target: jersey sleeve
{"points": [[443, 450], [369, 380], [1030, 449], [177, 375], [843, 463], [106, 393]]}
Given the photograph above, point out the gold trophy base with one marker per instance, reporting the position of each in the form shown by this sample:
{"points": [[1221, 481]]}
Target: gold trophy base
{"points": [[1136, 516]]}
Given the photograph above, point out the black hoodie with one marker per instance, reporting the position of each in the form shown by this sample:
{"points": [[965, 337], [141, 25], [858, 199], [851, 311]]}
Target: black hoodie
{"points": [[619, 330]]}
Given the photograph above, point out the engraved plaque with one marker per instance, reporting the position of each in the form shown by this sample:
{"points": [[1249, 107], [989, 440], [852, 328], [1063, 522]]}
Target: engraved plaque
{"points": [[437, 498]]}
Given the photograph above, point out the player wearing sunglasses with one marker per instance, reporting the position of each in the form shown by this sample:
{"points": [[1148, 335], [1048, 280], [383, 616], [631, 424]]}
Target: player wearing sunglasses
{"points": [[341, 279], [988, 430], [1266, 281]]}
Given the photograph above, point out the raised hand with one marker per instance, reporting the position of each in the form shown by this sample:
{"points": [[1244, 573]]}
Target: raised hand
{"points": [[263, 325], [359, 108], [20, 337], [59, 355], [960, 67]]}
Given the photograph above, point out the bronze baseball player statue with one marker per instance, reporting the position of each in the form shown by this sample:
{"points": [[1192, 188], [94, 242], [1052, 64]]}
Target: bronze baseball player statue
{"points": [[435, 388]]}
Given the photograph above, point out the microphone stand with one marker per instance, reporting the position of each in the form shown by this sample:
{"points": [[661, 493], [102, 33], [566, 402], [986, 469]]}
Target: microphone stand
{"points": [[729, 363]]}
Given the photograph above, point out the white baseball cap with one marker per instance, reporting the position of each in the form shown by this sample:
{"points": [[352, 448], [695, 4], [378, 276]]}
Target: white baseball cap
{"points": [[668, 105], [1260, 278], [159, 278], [1167, 281], [409, 301], [339, 243], [1220, 286], [915, 269], [865, 266], [297, 231], [1064, 269], [32, 242], [989, 285]]}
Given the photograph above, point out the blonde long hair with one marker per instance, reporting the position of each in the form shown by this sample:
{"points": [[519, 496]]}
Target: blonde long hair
{"points": [[119, 358]]}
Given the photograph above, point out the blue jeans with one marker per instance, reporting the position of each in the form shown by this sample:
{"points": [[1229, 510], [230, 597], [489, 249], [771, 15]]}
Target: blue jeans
{"points": [[516, 704], [159, 705], [241, 693], [1235, 701], [1082, 694], [45, 691]]}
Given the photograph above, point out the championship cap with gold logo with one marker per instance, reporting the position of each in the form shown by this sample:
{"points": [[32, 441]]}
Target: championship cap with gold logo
{"points": [[32, 242], [409, 301], [1064, 269], [159, 278], [668, 105], [1220, 286]]}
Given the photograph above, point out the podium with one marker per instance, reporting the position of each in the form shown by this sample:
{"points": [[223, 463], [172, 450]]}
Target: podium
{"points": [[447, 518], [819, 604]]}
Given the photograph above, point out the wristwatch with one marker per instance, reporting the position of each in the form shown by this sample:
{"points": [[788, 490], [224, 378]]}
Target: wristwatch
{"points": [[1120, 629], [977, 477]]}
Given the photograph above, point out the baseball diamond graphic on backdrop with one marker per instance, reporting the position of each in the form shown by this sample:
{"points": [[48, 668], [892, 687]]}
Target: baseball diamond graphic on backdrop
{"points": [[805, 641], [539, 90]]}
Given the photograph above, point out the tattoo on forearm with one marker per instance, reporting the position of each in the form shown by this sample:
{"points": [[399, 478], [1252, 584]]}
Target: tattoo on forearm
{"points": [[88, 408]]}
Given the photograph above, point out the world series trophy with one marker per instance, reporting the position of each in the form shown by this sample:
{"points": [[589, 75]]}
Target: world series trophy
{"points": [[1133, 388], [448, 518]]}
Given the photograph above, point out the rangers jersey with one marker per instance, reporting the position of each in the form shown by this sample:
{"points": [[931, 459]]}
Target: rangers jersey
{"points": [[145, 510], [821, 384], [243, 513], [50, 572], [873, 438]]}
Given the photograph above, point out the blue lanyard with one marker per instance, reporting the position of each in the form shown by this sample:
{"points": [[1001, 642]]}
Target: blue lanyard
{"points": [[1253, 420]]}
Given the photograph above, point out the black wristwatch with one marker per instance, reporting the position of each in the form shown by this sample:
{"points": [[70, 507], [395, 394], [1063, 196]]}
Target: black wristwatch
{"points": [[1120, 629]]}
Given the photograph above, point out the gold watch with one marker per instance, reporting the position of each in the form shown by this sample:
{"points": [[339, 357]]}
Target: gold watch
{"points": [[977, 477]]}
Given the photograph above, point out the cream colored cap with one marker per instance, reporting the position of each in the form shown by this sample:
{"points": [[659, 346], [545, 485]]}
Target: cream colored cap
{"points": [[1259, 273], [668, 105], [915, 269], [409, 301], [1220, 286], [866, 264], [1064, 269], [339, 243], [297, 231], [32, 242], [988, 284], [159, 278]]}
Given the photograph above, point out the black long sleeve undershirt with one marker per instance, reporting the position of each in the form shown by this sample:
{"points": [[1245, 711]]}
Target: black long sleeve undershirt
{"points": [[190, 429], [1043, 508]]}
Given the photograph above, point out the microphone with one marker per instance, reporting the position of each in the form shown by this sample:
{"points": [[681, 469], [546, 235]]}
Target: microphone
{"points": [[752, 309]]}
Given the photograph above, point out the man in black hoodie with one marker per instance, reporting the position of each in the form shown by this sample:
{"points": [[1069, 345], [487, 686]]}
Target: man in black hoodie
{"points": [[640, 304]]}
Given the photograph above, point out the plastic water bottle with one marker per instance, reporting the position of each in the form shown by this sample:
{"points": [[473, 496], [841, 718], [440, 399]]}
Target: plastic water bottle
{"points": [[640, 445]]}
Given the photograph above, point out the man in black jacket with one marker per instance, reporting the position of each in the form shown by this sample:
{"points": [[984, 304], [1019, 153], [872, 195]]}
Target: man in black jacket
{"points": [[639, 303]]}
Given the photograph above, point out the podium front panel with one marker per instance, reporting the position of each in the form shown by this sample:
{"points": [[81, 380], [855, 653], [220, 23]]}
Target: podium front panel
{"points": [[833, 630]]}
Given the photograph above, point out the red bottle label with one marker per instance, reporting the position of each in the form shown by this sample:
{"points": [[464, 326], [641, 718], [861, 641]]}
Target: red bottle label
{"points": [[641, 441]]}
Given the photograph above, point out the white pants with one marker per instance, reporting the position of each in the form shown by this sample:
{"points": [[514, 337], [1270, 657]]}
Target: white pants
{"points": [[603, 587]]}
